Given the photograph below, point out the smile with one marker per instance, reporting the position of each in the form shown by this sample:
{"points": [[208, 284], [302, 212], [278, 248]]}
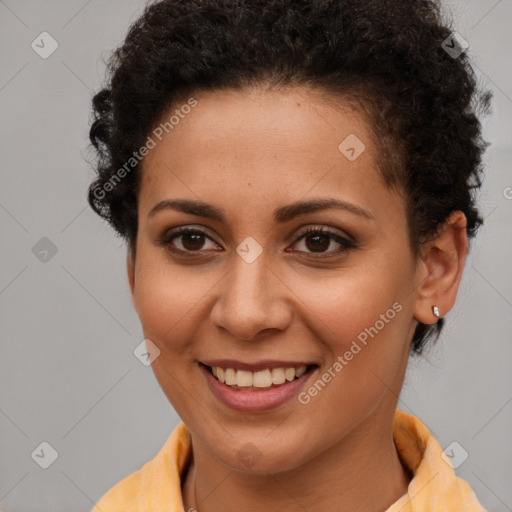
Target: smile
{"points": [[244, 379], [253, 391]]}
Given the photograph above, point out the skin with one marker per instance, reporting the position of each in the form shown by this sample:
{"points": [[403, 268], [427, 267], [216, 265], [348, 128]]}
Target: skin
{"points": [[249, 152]]}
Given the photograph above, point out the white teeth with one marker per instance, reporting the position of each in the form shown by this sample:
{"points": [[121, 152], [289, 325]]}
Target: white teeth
{"points": [[262, 379], [259, 379], [278, 376], [243, 378], [230, 377], [289, 373], [300, 371]]}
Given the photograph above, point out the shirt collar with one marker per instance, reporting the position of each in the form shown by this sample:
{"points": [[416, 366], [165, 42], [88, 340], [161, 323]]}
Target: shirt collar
{"points": [[434, 486]]}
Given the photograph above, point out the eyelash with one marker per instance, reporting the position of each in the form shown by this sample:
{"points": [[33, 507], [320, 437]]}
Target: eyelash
{"points": [[346, 244]]}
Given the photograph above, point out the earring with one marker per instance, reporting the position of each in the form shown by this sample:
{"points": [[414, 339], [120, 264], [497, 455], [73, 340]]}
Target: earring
{"points": [[435, 310]]}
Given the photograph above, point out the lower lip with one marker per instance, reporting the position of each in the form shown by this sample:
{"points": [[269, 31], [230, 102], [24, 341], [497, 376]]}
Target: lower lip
{"points": [[255, 401]]}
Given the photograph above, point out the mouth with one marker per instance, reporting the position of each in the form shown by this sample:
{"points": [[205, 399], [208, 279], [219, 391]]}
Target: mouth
{"points": [[256, 388], [263, 379]]}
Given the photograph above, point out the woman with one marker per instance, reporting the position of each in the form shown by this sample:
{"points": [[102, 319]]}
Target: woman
{"points": [[294, 181]]}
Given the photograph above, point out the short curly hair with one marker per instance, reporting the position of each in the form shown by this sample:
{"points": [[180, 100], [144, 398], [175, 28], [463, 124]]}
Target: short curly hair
{"points": [[388, 56]]}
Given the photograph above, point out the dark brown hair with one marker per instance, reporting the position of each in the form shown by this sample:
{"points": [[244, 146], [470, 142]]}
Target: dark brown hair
{"points": [[386, 54]]}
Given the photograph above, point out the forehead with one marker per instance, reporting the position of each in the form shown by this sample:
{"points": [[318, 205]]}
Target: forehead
{"points": [[261, 147]]}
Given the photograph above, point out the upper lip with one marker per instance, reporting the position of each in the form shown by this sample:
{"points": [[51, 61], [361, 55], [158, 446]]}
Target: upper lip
{"points": [[257, 366]]}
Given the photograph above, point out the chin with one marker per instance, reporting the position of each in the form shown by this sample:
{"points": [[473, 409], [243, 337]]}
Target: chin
{"points": [[264, 456]]}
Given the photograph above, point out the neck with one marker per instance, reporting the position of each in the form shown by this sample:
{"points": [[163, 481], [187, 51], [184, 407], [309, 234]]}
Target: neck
{"points": [[361, 473]]}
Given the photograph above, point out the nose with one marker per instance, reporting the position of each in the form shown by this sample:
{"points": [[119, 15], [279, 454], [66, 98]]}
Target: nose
{"points": [[252, 299]]}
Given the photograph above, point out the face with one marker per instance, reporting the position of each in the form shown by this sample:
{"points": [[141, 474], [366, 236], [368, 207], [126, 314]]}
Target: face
{"points": [[247, 287]]}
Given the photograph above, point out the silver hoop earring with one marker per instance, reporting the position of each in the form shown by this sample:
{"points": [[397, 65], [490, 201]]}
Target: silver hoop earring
{"points": [[435, 310]]}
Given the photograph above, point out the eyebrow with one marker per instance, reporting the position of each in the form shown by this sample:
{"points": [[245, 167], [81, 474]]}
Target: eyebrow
{"points": [[281, 215]]}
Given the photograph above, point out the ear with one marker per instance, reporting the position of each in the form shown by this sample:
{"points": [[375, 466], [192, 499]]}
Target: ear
{"points": [[440, 269], [130, 267]]}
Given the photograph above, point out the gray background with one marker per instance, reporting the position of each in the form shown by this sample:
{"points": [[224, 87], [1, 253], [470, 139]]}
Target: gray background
{"points": [[68, 375]]}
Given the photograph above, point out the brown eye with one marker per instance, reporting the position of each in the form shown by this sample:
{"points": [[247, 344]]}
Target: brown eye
{"points": [[318, 240], [191, 240]]}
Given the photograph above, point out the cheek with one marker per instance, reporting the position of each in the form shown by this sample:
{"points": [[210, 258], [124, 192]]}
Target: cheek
{"points": [[167, 298], [362, 320], [354, 304], [362, 326]]}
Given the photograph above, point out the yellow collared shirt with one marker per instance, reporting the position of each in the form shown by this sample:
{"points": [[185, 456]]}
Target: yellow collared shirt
{"points": [[156, 487]]}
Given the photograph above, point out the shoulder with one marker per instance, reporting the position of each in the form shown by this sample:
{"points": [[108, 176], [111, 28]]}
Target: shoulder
{"points": [[124, 496], [157, 484], [435, 485]]}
